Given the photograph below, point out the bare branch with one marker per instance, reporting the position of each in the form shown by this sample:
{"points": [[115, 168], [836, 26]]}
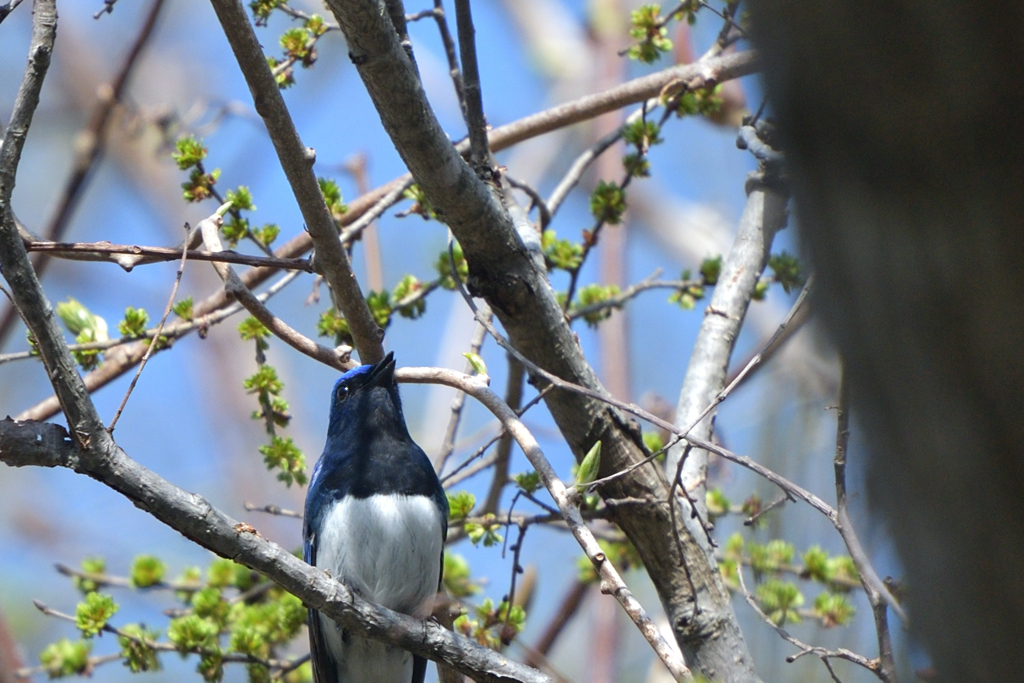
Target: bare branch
{"points": [[128, 256], [153, 342], [235, 288], [479, 154], [878, 594], [764, 214], [297, 163]]}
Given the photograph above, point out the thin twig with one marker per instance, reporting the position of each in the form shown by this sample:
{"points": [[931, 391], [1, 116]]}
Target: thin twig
{"points": [[122, 582], [171, 333], [154, 341], [8, 7], [104, 251], [805, 649], [449, 50], [273, 510], [514, 399], [763, 354], [336, 358], [752, 519], [271, 664], [877, 593], [479, 153], [698, 74], [448, 443], [297, 162]]}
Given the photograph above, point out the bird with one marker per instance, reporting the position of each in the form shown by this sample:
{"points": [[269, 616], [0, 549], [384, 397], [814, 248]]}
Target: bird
{"points": [[376, 519]]}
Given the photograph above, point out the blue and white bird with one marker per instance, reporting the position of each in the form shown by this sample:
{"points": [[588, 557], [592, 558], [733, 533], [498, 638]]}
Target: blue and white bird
{"points": [[376, 518]]}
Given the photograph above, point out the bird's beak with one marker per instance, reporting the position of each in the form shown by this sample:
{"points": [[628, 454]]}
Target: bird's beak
{"points": [[383, 373]]}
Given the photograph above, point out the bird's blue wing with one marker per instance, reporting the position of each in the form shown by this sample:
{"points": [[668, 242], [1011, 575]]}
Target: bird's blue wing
{"points": [[325, 670]]}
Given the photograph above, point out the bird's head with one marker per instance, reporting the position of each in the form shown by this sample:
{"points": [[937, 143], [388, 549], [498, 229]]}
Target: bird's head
{"points": [[366, 398]]}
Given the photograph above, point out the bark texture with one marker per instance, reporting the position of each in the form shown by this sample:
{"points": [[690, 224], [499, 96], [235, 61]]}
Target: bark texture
{"points": [[902, 120]]}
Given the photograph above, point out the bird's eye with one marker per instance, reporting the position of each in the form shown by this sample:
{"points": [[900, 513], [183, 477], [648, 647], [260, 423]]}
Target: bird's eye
{"points": [[341, 393]]}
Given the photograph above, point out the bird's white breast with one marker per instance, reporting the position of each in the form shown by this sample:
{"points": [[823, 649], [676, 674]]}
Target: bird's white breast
{"points": [[387, 548]]}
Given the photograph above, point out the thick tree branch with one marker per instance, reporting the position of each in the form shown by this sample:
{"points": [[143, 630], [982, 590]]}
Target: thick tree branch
{"points": [[49, 445], [502, 271], [297, 163], [763, 216]]}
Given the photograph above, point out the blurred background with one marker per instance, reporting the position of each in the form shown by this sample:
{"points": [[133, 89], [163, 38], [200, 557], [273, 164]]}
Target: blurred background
{"points": [[189, 417]]}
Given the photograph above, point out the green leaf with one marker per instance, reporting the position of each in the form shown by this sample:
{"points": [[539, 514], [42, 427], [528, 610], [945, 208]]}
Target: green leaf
{"points": [[332, 324], [409, 287], [561, 253], [780, 600], [841, 568], [594, 294], [262, 9], [816, 565], [90, 565], [379, 304], [642, 133], [833, 609], [653, 441], [608, 203], [192, 632], [139, 656], [460, 504], [332, 197], [134, 323], [443, 266], [188, 151], [87, 326], [283, 454], [486, 532], [65, 658], [199, 185], [267, 234], [529, 481], [183, 308], [787, 270], [589, 467], [479, 367], [240, 199], [711, 269], [209, 603], [92, 614], [147, 571], [457, 579], [716, 502], [420, 204], [211, 666], [264, 380]]}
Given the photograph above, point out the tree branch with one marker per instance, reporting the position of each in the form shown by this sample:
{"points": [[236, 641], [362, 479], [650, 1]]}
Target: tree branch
{"points": [[763, 216], [297, 163]]}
